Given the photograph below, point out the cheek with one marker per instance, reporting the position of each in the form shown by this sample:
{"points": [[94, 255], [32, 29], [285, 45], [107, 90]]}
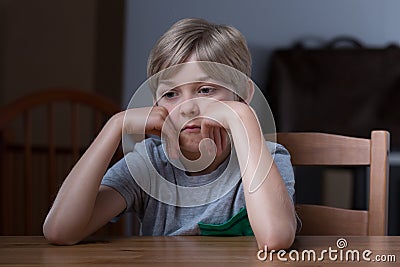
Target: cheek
{"points": [[165, 105], [172, 113], [227, 95]]}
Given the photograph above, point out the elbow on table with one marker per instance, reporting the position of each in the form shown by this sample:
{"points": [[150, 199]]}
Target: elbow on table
{"points": [[56, 235], [276, 241]]}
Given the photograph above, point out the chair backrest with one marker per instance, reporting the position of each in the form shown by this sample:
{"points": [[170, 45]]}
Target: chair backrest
{"points": [[335, 150], [41, 137]]}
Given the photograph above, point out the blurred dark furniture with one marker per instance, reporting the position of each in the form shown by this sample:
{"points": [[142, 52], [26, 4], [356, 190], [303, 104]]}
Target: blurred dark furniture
{"points": [[321, 149], [341, 87], [41, 137]]}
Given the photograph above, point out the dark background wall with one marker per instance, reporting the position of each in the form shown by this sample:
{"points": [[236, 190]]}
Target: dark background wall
{"points": [[266, 24], [63, 43]]}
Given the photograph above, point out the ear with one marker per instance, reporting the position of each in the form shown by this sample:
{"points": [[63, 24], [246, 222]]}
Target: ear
{"points": [[250, 91]]}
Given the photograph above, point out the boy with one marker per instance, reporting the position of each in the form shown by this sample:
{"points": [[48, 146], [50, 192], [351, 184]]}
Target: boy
{"points": [[190, 109]]}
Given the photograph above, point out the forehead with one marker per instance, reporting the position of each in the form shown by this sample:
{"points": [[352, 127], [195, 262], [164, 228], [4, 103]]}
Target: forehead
{"points": [[190, 72]]}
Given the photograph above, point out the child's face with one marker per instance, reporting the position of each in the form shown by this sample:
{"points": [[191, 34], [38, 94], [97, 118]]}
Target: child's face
{"points": [[184, 96]]}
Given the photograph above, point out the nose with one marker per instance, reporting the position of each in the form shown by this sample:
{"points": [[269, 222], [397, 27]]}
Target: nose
{"points": [[190, 108]]}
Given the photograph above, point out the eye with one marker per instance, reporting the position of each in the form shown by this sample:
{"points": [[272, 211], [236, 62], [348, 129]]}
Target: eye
{"points": [[206, 90], [169, 94]]}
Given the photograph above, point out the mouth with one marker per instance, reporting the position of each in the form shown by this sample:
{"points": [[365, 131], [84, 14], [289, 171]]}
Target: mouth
{"points": [[191, 128]]}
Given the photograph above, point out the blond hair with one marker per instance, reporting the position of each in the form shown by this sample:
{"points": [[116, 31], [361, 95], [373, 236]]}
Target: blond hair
{"points": [[209, 42]]}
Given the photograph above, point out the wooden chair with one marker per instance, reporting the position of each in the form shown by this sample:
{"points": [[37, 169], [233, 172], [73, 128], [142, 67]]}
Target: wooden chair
{"points": [[327, 149], [42, 136]]}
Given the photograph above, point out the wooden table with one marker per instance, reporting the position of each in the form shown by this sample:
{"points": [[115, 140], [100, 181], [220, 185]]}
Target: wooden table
{"points": [[191, 251]]}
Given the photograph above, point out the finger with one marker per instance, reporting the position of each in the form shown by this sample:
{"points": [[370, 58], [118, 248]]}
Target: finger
{"points": [[171, 136], [205, 129], [224, 139], [155, 120], [206, 132], [211, 132], [210, 147], [217, 140]]}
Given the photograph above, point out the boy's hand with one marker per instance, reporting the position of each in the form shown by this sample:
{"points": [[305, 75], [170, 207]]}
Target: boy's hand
{"points": [[215, 131], [152, 120], [218, 116]]}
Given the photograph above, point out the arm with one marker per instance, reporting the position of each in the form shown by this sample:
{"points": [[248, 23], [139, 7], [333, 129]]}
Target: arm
{"points": [[269, 206], [270, 209], [82, 206]]}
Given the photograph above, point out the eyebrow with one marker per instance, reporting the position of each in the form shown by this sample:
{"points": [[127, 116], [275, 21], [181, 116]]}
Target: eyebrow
{"points": [[172, 83]]}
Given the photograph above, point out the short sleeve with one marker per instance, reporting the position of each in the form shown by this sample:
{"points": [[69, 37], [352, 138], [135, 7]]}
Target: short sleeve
{"points": [[120, 178], [282, 160]]}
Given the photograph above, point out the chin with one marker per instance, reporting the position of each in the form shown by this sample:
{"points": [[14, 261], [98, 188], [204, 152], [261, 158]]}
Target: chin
{"points": [[190, 151], [190, 155], [189, 143]]}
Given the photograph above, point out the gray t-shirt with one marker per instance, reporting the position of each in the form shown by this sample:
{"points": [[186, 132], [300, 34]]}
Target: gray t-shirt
{"points": [[180, 218]]}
